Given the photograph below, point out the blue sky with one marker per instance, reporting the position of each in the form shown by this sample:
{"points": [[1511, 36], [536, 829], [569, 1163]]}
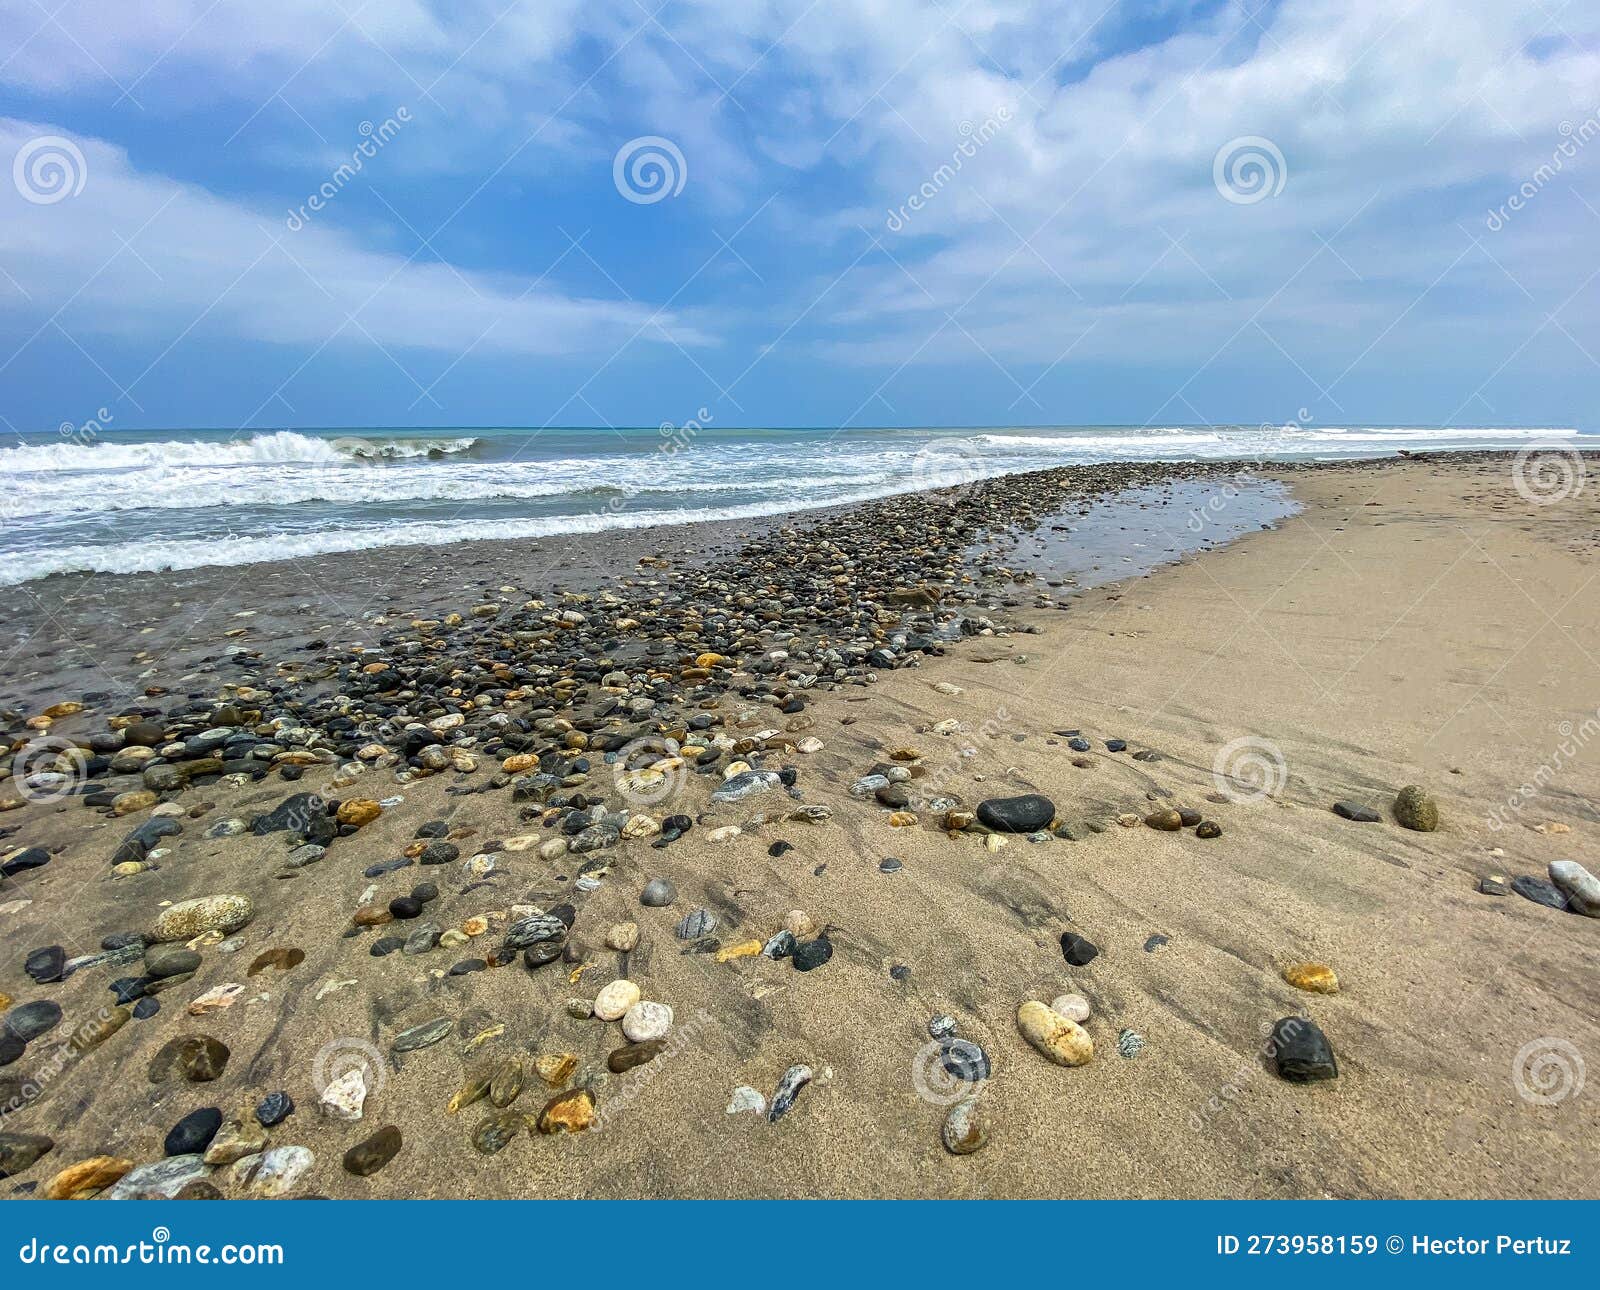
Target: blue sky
{"points": [[893, 212]]}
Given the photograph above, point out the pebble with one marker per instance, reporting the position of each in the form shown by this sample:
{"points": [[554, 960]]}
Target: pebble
{"points": [[746, 1098], [85, 1178], [1357, 813], [942, 1026], [646, 1020], [809, 955], [345, 1096], [19, 1151], [235, 1140], [1414, 809], [1074, 1007], [372, 1154], [1062, 1041], [194, 1132], [568, 1112], [793, 1080], [1026, 814], [1301, 1051], [1539, 891], [1317, 978], [1208, 829], [421, 1036], [275, 1172], [630, 1055], [28, 1021], [162, 1180], [1078, 950], [1167, 820], [170, 960], [496, 1132], [622, 936], [1130, 1043], [966, 1127], [658, 893], [216, 999], [273, 1109], [189, 918], [614, 1000], [1582, 888], [700, 922], [505, 1084], [964, 1059], [47, 965], [1495, 885]]}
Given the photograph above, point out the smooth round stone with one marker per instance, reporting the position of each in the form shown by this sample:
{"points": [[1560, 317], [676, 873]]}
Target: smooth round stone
{"points": [[966, 1127], [194, 1132], [189, 918], [1064, 1042], [699, 922], [1166, 820], [494, 1134], [1074, 1007], [1026, 814], [371, 1155], [273, 1109], [627, 1057], [146, 1008], [1317, 978], [1582, 888], [646, 1021], [19, 1151], [890, 865], [1208, 829], [405, 907], [28, 1021], [1302, 1051], [964, 1059], [614, 1000], [658, 893], [170, 960], [812, 954]]}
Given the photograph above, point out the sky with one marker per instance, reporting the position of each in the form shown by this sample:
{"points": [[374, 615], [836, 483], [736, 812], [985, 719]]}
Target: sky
{"points": [[798, 212]]}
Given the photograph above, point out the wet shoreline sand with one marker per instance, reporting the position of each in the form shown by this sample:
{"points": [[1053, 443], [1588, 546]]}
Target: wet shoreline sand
{"points": [[1414, 622]]}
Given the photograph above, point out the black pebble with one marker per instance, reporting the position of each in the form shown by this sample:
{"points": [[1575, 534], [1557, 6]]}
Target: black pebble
{"points": [[46, 965], [405, 907], [813, 954], [386, 945], [964, 1059], [194, 1132], [890, 865], [146, 1008], [1539, 891], [779, 848], [899, 972], [1302, 1051], [1356, 812], [274, 1108], [1077, 950]]}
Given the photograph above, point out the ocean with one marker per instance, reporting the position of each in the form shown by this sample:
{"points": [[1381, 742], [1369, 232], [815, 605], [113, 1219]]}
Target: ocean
{"points": [[129, 501]]}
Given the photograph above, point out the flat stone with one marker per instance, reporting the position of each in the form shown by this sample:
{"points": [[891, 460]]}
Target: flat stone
{"points": [[628, 1056], [1026, 814], [495, 1133], [372, 1154], [85, 1178], [1318, 978], [159, 1181], [1356, 812], [27, 1021], [20, 1151], [746, 1098], [699, 922], [421, 1036], [1539, 891]]}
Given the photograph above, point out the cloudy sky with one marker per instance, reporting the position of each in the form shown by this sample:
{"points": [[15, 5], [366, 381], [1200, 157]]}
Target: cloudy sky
{"points": [[799, 212]]}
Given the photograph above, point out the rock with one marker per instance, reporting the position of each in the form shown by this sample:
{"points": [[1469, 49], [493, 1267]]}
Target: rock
{"points": [[614, 1000], [646, 1020], [169, 960], [85, 1178], [159, 1181], [1582, 888], [235, 1140], [658, 893], [283, 959], [47, 965], [966, 1127], [27, 1021], [798, 924], [273, 1109], [700, 922], [505, 1083], [942, 1026], [345, 1096], [20, 1151], [372, 1154], [358, 811], [1166, 820], [1064, 1042], [964, 1060], [1074, 1007], [622, 936], [794, 1079], [746, 1098], [743, 950], [189, 918], [568, 1112], [1494, 885], [216, 999], [1318, 978], [1539, 891], [273, 1173], [197, 1058], [745, 785], [1208, 829], [780, 946], [421, 1036], [494, 1134], [194, 1132], [1301, 1051], [1078, 950], [1414, 809], [1026, 814], [555, 1069], [812, 954], [1356, 812], [536, 929], [627, 1057], [1130, 1043]]}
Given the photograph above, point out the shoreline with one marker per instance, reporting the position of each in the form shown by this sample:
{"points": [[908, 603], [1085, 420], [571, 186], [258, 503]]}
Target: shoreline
{"points": [[1242, 641]]}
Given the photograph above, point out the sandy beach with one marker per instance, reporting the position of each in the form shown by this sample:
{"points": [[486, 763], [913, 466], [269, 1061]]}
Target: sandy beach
{"points": [[1411, 622]]}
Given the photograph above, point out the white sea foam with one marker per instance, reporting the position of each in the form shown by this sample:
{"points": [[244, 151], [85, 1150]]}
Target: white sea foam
{"points": [[281, 446]]}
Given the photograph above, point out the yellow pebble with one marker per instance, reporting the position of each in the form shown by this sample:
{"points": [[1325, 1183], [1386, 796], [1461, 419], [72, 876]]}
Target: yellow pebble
{"points": [[1315, 977]]}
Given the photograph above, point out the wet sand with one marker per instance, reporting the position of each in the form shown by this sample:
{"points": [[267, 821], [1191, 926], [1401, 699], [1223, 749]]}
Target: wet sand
{"points": [[1414, 622]]}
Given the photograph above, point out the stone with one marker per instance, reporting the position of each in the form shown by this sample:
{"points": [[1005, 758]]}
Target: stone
{"points": [[697, 923], [1064, 1042], [1074, 1007], [47, 965], [494, 1134], [235, 1140], [190, 918], [372, 1154], [535, 929], [1317, 978], [216, 999], [282, 959], [170, 960], [798, 924], [421, 1036], [1208, 829], [27, 1021], [1301, 1051], [809, 955], [942, 1026], [624, 1059], [745, 1098], [646, 1020], [1539, 891], [505, 1083], [275, 1172], [964, 1060], [568, 1112], [1026, 814], [614, 1000], [85, 1178], [1414, 809], [197, 1058], [1355, 812], [20, 1151], [345, 1096], [966, 1127], [194, 1132], [745, 784], [358, 811], [1166, 820], [1130, 1043], [273, 1109], [793, 1080], [1582, 888], [555, 1069], [743, 950], [162, 1180], [1078, 950], [622, 937]]}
